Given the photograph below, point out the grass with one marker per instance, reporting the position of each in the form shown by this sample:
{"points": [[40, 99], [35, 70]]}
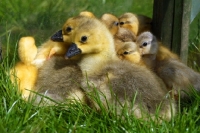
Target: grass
{"points": [[20, 116], [36, 18], [41, 19], [194, 49]]}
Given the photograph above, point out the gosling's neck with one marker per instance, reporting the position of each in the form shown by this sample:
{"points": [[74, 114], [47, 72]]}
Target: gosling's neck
{"points": [[92, 64]]}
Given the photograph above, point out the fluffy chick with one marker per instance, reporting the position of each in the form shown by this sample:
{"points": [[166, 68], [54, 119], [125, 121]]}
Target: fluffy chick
{"points": [[135, 22], [57, 46], [24, 73], [148, 48], [59, 79], [117, 82], [120, 34], [149, 45], [130, 52], [167, 65]]}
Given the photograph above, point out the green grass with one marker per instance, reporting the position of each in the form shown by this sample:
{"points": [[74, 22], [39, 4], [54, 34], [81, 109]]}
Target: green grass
{"points": [[20, 116], [41, 19], [194, 48]]}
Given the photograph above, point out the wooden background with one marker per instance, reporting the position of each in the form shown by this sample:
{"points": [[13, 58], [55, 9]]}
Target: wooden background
{"points": [[171, 20]]}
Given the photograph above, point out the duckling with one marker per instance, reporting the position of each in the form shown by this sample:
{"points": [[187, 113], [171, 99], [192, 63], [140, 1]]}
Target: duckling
{"points": [[148, 48], [120, 34], [111, 21], [117, 82], [135, 22], [59, 79], [57, 47], [24, 73], [168, 66], [130, 52]]}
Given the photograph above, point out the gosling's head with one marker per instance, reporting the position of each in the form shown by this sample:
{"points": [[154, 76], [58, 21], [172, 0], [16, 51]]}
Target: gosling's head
{"points": [[129, 21], [65, 34], [130, 52], [135, 22], [147, 43], [88, 36]]}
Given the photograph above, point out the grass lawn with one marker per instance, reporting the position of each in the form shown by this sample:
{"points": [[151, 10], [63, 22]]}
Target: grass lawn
{"points": [[41, 19]]}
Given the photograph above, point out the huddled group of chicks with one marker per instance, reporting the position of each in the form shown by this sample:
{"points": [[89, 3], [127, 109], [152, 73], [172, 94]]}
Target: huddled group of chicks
{"points": [[117, 60]]}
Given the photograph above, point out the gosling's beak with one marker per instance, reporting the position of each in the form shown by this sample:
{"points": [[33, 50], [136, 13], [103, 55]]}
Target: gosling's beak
{"points": [[57, 37], [72, 51]]}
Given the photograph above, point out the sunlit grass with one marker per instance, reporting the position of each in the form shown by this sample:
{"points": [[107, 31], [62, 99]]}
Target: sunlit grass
{"points": [[194, 52]]}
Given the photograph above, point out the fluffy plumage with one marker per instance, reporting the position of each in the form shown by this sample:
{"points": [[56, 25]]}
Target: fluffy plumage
{"points": [[123, 35], [24, 73], [166, 64], [60, 80], [95, 54], [47, 50]]}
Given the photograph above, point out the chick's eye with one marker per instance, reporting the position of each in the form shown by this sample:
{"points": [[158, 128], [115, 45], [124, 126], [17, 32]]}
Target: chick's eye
{"points": [[69, 29], [121, 23], [144, 44], [83, 39], [125, 52]]}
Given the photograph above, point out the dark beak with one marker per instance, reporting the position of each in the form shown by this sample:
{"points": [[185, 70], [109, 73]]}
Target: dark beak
{"points": [[57, 37], [72, 51]]}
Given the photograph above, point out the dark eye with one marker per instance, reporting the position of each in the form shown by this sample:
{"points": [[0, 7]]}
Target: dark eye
{"points": [[83, 39], [121, 23], [68, 29], [144, 44], [125, 53]]}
